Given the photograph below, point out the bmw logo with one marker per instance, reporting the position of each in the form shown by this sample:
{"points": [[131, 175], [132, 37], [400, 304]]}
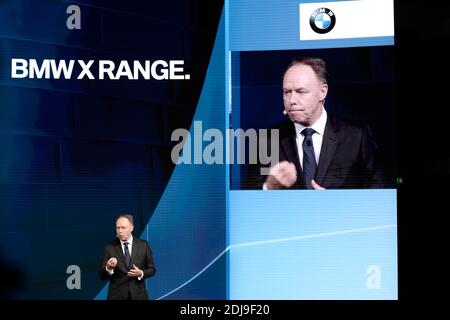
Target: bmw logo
{"points": [[322, 20]]}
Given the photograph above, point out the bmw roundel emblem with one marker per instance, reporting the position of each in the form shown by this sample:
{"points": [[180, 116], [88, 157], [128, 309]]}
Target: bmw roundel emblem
{"points": [[322, 20]]}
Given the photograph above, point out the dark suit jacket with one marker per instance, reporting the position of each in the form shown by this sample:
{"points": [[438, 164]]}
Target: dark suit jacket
{"points": [[120, 284], [348, 158]]}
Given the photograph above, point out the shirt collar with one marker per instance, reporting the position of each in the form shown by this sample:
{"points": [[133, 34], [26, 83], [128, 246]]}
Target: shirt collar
{"points": [[318, 126], [130, 241]]}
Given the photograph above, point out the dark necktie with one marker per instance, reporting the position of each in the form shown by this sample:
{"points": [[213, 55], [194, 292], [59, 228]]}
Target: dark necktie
{"points": [[309, 160], [127, 255]]}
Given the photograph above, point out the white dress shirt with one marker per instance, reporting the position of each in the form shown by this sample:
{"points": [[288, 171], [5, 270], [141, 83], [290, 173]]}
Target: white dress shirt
{"points": [[130, 245], [317, 137]]}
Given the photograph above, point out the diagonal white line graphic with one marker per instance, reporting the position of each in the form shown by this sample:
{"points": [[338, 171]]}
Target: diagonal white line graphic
{"points": [[255, 243], [316, 235], [199, 273]]}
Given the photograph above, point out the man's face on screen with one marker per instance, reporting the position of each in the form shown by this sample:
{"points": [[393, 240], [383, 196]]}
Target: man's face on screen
{"points": [[123, 228], [303, 93]]}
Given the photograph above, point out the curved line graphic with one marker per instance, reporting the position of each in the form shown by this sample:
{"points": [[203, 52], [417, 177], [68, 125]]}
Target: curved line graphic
{"points": [[255, 243], [199, 273]]}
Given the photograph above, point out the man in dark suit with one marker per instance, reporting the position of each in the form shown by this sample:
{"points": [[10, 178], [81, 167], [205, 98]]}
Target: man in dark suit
{"points": [[127, 261], [317, 150]]}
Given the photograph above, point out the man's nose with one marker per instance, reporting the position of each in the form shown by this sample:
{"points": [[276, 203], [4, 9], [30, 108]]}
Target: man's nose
{"points": [[292, 98]]}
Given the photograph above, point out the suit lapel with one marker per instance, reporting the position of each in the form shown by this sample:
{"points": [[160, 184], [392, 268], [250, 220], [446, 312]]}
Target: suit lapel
{"points": [[289, 147], [121, 260], [134, 251], [329, 145]]}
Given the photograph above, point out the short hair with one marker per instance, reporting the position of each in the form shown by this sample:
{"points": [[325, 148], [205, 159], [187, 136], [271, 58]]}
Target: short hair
{"points": [[126, 215], [318, 65]]}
